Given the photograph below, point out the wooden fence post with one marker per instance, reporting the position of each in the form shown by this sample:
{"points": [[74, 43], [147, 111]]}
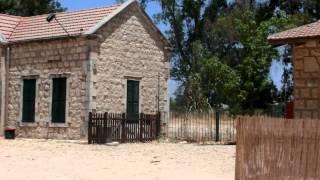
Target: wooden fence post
{"points": [[158, 124], [123, 127], [217, 126], [211, 125], [90, 128], [105, 127], [238, 149], [141, 127], [99, 129]]}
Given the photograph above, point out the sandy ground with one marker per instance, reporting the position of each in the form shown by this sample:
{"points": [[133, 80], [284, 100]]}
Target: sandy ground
{"points": [[25, 159]]}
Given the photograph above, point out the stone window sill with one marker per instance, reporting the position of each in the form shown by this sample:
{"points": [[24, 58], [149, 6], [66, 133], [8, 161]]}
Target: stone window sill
{"points": [[28, 124], [59, 125]]}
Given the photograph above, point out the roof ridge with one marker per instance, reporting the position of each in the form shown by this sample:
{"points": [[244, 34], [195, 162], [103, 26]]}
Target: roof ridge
{"points": [[75, 11], [99, 7], [9, 15], [295, 28], [65, 12], [304, 31]]}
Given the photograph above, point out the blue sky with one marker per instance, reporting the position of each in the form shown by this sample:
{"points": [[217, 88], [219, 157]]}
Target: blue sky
{"points": [[276, 72], [153, 8]]}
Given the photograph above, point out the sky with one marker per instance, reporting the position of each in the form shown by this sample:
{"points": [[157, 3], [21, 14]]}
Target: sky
{"points": [[154, 8]]}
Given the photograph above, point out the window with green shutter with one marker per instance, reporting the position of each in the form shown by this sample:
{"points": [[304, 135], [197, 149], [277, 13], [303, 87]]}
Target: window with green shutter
{"points": [[132, 96], [29, 99], [59, 93]]}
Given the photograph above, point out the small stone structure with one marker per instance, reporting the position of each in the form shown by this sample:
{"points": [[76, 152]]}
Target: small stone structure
{"points": [[305, 43], [121, 44], [306, 77]]}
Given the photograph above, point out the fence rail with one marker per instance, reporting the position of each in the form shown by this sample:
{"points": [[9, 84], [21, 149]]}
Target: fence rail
{"points": [[104, 127], [272, 148], [201, 127]]}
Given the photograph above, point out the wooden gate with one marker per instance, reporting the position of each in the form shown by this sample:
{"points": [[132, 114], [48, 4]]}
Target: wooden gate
{"points": [[107, 127]]}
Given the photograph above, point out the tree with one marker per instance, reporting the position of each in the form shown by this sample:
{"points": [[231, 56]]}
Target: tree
{"points": [[226, 36], [29, 7], [230, 37], [256, 56], [220, 84], [301, 12], [240, 41], [286, 90], [307, 10]]}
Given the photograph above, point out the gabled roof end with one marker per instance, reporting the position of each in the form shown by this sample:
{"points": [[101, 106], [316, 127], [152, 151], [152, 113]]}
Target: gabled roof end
{"points": [[115, 13], [108, 18]]}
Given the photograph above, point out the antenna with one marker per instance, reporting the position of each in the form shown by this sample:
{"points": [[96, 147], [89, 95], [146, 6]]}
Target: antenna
{"points": [[53, 16]]}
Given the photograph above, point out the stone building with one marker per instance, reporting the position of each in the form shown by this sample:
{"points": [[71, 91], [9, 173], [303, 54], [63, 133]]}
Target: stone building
{"points": [[305, 43], [54, 72]]}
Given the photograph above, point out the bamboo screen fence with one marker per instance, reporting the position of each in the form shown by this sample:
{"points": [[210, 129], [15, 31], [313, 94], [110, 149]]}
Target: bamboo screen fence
{"points": [[270, 148]]}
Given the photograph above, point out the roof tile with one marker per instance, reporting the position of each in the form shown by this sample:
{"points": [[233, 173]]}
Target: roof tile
{"points": [[8, 24], [16, 28], [306, 31]]}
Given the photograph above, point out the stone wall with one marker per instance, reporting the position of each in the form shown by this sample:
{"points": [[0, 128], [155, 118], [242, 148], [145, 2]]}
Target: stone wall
{"points": [[129, 48], [306, 79], [44, 60]]}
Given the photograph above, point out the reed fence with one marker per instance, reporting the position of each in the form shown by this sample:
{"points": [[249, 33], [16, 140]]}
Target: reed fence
{"points": [[272, 148]]}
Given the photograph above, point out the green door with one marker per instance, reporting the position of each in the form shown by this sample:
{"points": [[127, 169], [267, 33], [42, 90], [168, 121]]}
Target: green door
{"points": [[132, 97], [59, 100], [29, 97]]}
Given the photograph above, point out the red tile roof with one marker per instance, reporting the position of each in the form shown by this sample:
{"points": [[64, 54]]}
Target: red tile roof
{"points": [[15, 28], [306, 31], [8, 24]]}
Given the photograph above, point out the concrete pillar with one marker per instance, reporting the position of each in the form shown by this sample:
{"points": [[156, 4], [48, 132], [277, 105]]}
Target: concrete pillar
{"points": [[2, 90]]}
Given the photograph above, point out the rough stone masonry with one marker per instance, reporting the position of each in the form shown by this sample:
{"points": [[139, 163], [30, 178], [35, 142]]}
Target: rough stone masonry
{"points": [[306, 77]]}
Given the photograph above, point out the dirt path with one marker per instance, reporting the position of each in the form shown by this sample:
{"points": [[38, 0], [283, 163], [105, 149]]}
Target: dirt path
{"points": [[60, 160]]}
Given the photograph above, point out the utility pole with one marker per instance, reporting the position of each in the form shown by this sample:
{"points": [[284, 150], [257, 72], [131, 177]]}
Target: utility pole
{"points": [[158, 99]]}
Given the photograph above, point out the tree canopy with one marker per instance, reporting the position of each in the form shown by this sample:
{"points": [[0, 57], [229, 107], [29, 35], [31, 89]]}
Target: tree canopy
{"points": [[221, 54], [29, 7]]}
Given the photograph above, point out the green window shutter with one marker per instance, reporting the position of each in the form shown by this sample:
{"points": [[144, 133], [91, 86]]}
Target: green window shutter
{"points": [[29, 97], [59, 94], [132, 96]]}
